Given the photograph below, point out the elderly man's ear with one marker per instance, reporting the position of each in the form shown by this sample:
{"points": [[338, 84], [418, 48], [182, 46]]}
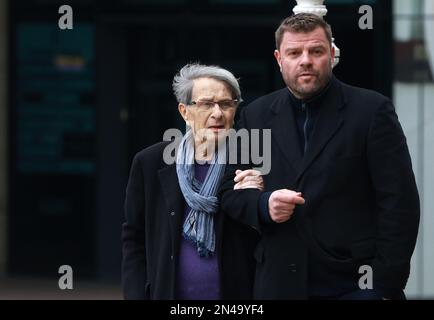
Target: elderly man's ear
{"points": [[183, 112]]}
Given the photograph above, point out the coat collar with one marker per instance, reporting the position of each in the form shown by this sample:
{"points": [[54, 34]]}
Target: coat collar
{"points": [[284, 127]]}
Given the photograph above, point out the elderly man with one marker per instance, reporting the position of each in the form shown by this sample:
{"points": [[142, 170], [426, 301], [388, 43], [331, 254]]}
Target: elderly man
{"points": [[176, 242], [341, 195]]}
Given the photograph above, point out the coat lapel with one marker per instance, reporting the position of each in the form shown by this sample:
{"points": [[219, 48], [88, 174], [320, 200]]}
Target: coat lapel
{"points": [[284, 129], [329, 121], [175, 203]]}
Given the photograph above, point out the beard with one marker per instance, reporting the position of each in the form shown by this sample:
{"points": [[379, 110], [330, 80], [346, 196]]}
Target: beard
{"points": [[307, 88]]}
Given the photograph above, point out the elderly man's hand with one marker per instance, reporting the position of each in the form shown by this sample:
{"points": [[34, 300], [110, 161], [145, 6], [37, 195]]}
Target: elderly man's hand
{"points": [[281, 204], [246, 179]]}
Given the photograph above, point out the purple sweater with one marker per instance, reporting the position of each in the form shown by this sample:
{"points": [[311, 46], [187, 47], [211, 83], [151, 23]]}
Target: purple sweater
{"points": [[197, 278]]}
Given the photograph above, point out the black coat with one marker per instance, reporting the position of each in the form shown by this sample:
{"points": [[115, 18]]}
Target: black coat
{"points": [[151, 234], [362, 204]]}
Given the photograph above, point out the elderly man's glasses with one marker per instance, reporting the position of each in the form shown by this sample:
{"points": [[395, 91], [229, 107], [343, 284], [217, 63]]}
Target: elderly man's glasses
{"points": [[209, 104]]}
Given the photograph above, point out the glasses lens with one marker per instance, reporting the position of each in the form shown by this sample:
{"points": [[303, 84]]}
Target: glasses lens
{"points": [[227, 104], [209, 104]]}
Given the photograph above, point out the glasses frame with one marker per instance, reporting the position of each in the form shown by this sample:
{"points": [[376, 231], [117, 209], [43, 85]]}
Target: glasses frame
{"points": [[197, 103]]}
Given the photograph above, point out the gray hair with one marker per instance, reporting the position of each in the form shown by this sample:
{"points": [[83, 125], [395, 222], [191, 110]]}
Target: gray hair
{"points": [[183, 80]]}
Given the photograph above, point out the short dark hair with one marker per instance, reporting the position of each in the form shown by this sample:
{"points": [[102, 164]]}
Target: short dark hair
{"points": [[302, 23]]}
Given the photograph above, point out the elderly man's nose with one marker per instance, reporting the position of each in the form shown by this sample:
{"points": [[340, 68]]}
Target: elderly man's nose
{"points": [[216, 111]]}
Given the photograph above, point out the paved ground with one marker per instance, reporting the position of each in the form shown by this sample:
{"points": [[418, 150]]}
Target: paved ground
{"points": [[47, 289]]}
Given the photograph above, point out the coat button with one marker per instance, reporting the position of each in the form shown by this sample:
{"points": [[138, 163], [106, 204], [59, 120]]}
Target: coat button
{"points": [[293, 267], [172, 213]]}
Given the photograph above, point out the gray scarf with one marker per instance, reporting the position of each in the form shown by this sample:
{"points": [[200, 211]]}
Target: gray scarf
{"points": [[201, 197]]}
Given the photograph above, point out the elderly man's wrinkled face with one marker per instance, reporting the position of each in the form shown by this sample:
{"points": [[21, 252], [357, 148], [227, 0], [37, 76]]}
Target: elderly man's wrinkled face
{"points": [[305, 60], [212, 110]]}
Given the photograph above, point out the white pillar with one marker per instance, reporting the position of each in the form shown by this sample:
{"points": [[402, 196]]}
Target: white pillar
{"points": [[311, 6], [316, 7]]}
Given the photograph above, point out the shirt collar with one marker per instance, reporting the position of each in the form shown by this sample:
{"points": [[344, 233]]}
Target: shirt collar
{"points": [[311, 101]]}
